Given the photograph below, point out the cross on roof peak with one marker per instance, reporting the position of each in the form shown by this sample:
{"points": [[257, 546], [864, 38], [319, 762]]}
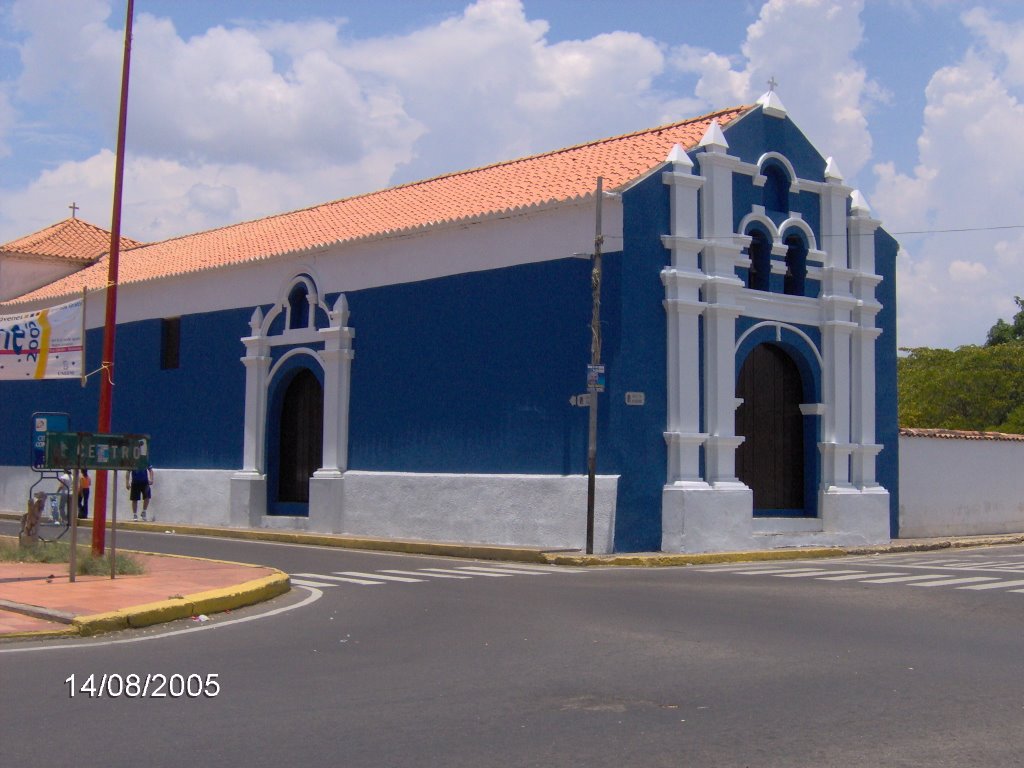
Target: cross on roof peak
{"points": [[772, 83], [74, 209]]}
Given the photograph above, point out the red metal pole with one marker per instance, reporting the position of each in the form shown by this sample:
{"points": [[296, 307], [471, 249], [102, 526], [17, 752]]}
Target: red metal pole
{"points": [[110, 323]]}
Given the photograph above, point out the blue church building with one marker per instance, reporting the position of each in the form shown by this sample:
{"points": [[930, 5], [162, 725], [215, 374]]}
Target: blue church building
{"points": [[408, 363]]}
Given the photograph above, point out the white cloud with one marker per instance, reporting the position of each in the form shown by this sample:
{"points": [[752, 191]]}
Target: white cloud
{"points": [[967, 176], [808, 46], [967, 271], [244, 121]]}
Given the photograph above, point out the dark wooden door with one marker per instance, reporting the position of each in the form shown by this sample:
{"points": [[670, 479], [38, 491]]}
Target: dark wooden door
{"points": [[771, 459], [302, 425]]}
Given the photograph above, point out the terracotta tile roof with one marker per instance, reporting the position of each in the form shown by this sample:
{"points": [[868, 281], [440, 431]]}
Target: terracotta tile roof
{"points": [[958, 434], [72, 239], [534, 181]]}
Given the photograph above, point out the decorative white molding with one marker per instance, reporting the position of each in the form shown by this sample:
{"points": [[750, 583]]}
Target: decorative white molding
{"points": [[779, 327], [794, 180]]}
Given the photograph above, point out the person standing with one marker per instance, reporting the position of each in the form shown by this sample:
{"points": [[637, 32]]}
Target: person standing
{"points": [[64, 496], [139, 483], [84, 483]]}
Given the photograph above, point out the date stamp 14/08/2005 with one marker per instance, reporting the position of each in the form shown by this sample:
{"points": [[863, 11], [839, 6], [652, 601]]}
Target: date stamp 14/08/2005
{"points": [[148, 686]]}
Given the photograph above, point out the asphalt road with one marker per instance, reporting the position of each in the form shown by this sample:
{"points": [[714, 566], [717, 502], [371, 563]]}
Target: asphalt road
{"points": [[816, 663]]}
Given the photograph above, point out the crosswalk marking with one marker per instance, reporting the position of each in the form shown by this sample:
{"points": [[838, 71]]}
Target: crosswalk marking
{"points": [[420, 575], [463, 573], [484, 570], [364, 582], [898, 579], [776, 572], [856, 575], [311, 583], [809, 574], [997, 585], [423, 573], [361, 575], [946, 581]]}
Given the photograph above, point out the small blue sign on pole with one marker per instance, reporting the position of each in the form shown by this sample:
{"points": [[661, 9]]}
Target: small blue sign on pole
{"points": [[43, 422], [595, 378]]}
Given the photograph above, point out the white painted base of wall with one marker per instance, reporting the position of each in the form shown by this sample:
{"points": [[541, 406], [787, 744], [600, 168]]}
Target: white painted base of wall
{"points": [[853, 517], [957, 487], [696, 517], [199, 496], [546, 511], [699, 518]]}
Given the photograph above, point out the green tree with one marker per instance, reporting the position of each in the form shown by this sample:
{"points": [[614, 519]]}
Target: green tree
{"points": [[969, 387], [1003, 332]]}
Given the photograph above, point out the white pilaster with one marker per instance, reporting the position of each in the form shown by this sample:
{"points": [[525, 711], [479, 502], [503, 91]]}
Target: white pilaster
{"points": [[257, 364], [833, 217], [862, 261], [337, 361], [720, 289], [683, 280]]}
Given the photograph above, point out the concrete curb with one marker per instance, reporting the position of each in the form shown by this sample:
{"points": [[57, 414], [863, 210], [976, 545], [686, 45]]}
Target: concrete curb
{"points": [[554, 557], [210, 601], [666, 560]]}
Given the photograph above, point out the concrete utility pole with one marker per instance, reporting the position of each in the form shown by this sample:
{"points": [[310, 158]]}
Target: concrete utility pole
{"points": [[595, 362]]}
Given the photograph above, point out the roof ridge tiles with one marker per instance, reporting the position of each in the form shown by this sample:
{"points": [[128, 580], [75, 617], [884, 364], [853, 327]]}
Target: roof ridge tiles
{"points": [[510, 187]]}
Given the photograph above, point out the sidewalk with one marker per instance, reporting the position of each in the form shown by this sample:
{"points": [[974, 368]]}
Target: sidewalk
{"points": [[37, 598]]}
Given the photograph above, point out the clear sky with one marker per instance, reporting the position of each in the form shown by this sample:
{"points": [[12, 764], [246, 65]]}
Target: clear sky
{"points": [[243, 108]]}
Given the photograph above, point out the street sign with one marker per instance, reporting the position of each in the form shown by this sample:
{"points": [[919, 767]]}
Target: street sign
{"points": [[595, 378], [86, 450], [41, 424]]}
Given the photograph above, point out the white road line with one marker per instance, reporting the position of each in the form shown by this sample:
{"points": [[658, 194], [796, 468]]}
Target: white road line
{"points": [[463, 573], [506, 571], [422, 573], [997, 585], [896, 579], [337, 578], [550, 568], [809, 574], [775, 571], [375, 575], [944, 582], [312, 597], [860, 575], [311, 583]]}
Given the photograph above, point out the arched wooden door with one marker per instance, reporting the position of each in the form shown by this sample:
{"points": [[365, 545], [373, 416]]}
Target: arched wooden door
{"points": [[771, 458], [301, 436]]}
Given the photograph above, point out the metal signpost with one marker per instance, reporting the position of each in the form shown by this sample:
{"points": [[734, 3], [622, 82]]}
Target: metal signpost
{"points": [[88, 450]]}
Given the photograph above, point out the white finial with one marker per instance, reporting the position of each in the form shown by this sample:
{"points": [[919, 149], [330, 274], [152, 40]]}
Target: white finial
{"points": [[832, 172], [256, 321], [714, 139], [859, 205], [770, 102], [340, 311], [679, 158]]}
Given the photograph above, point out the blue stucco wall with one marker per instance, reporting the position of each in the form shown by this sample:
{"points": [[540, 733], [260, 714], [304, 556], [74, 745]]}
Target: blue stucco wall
{"points": [[194, 414], [472, 373], [887, 426]]}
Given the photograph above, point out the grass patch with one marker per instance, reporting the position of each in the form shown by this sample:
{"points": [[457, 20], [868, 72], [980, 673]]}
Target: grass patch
{"points": [[60, 552]]}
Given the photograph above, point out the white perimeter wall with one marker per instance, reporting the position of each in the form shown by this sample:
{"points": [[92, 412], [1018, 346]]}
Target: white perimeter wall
{"points": [[956, 487]]}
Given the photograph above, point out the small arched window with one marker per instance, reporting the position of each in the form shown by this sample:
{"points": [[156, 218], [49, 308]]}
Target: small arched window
{"points": [[776, 188], [796, 265], [298, 306], [760, 252]]}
